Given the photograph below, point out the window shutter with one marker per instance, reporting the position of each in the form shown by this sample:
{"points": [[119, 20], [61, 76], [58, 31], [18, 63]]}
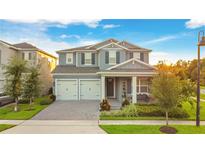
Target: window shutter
{"points": [[118, 57], [82, 58], [93, 58], [106, 57], [131, 55], [142, 56]]}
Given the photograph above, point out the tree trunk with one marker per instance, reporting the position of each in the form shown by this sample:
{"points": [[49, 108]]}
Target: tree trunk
{"points": [[167, 123], [16, 105], [30, 102]]}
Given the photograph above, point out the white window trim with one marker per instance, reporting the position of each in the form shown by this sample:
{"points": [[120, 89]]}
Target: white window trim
{"points": [[112, 52], [69, 55], [88, 56]]}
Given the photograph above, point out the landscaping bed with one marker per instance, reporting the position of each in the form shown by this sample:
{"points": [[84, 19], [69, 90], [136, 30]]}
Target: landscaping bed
{"points": [[5, 126], [150, 129], [149, 112], [25, 112]]}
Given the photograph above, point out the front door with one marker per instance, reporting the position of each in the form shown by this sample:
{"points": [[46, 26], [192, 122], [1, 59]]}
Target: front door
{"points": [[110, 88]]}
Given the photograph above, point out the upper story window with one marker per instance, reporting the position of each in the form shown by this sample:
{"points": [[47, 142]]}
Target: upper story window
{"points": [[88, 58], [112, 57], [136, 55], [69, 58], [27, 56]]}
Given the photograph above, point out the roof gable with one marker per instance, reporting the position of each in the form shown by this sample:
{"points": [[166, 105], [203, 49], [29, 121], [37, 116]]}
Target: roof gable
{"points": [[132, 64]]}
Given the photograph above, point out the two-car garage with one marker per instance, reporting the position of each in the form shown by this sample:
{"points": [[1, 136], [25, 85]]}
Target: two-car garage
{"points": [[77, 89]]}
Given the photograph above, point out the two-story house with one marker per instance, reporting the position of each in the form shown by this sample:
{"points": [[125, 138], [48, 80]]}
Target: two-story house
{"points": [[26, 51], [108, 69]]}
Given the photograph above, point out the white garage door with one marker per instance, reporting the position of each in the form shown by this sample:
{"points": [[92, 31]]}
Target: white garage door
{"points": [[89, 89], [67, 90]]}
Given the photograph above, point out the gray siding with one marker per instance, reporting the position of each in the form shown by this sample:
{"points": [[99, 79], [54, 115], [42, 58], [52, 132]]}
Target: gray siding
{"points": [[62, 59], [101, 57], [130, 65], [146, 57]]}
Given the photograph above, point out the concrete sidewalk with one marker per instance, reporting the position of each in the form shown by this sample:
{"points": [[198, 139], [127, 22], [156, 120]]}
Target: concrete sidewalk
{"points": [[54, 127], [147, 122]]}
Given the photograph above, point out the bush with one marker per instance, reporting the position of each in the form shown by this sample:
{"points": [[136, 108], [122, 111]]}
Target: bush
{"points": [[24, 101], [50, 91], [178, 113], [104, 105], [125, 102], [45, 101], [149, 110], [127, 111], [154, 110], [52, 97]]}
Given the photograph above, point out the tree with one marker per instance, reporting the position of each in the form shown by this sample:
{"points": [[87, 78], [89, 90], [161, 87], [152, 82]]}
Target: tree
{"points": [[13, 73], [166, 88], [31, 85], [45, 76]]}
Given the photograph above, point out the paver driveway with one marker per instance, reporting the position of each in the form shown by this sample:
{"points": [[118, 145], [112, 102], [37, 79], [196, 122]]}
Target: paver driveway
{"points": [[70, 110]]}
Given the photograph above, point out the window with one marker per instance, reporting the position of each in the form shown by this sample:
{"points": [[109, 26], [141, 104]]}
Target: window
{"points": [[87, 58], [112, 57], [142, 56], [136, 55], [29, 56], [23, 56], [69, 58]]}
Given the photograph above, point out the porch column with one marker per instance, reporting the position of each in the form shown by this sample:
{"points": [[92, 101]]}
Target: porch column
{"points": [[102, 87], [134, 89]]}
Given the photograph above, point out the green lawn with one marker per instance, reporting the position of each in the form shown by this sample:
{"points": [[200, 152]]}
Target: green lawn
{"points": [[202, 96], [150, 129], [7, 113], [5, 126]]}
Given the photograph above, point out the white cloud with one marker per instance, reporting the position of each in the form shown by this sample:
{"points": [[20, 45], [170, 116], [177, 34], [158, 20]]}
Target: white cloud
{"points": [[63, 36], [108, 26], [58, 22], [36, 36], [170, 57], [195, 23], [160, 39]]}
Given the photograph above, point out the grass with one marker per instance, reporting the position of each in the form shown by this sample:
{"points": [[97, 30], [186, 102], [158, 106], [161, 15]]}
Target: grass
{"points": [[150, 129], [7, 112], [5, 126]]}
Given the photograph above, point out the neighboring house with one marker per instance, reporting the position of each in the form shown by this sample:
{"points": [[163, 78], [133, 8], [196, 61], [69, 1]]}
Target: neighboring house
{"points": [[26, 51], [108, 69]]}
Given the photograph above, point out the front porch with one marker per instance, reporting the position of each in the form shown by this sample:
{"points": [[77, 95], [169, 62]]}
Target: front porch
{"points": [[115, 89]]}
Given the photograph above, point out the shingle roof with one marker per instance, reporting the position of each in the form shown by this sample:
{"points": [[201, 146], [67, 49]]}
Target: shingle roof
{"points": [[74, 69], [125, 44], [25, 45]]}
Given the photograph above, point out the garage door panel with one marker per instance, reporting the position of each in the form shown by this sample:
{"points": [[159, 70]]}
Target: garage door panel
{"points": [[89, 89], [67, 90]]}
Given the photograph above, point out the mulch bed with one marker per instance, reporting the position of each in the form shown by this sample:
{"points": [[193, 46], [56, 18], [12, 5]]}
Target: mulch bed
{"points": [[168, 130]]}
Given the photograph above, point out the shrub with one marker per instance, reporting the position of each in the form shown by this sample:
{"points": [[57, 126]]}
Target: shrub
{"points": [[125, 102], [127, 111], [45, 101], [178, 113], [154, 110], [50, 91], [104, 105], [24, 101], [149, 110], [52, 97]]}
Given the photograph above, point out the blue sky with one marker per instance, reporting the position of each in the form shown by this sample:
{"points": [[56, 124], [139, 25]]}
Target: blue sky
{"points": [[170, 40]]}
